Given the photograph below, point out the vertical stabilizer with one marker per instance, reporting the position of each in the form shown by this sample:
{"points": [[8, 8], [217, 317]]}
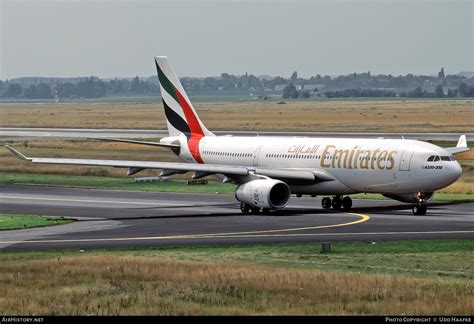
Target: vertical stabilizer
{"points": [[180, 114]]}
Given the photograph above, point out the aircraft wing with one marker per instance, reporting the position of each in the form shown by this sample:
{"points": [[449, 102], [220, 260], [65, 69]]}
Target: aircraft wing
{"points": [[316, 175], [460, 147]]}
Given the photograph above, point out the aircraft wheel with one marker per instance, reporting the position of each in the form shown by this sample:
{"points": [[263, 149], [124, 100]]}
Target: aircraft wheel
{"points": [[419, 210], [347, 203], [336, 203], [326, 202], [244, 208], [255, 210], [265, 211]]}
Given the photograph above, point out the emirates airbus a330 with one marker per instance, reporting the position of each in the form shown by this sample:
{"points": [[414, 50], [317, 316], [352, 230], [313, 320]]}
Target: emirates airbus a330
{"points": [[268, 170]]}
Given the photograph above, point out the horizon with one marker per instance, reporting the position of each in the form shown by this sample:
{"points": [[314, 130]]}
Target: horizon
{"points": [[260, 76]]}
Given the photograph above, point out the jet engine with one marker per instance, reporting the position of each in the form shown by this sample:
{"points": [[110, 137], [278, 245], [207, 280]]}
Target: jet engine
{"points": [[411, 198], [264, 193]]}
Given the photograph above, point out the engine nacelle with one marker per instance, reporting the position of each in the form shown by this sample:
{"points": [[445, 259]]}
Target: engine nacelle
{"points": [[264, 193], [410, 198]]}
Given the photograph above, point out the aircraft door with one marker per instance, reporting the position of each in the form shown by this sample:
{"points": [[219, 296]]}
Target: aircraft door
{"points": [[405, 160], [255, 156]]}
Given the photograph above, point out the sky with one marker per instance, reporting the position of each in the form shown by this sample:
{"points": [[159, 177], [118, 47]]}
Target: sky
{"points": [[104, 38]]}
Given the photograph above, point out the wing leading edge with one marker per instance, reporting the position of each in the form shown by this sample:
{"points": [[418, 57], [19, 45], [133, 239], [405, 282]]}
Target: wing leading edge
{"points": [[316, 175]]}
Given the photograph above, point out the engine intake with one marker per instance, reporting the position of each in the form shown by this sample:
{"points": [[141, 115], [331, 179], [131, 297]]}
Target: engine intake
{"points": [[264, 193]]}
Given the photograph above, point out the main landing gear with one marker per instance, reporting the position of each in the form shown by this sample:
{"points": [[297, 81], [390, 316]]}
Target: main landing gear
{"points": [[420, 207], [247, 209], [337, 203]]}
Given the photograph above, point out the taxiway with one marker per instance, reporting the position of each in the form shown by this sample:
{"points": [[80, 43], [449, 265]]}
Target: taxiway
{"points": [[107, 219]]}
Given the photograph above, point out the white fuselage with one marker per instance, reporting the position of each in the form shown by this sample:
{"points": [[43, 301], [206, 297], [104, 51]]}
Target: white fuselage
{"points": [[358, 165]]}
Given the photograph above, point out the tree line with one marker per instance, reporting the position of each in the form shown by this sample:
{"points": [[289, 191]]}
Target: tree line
{"points": [[91, 87], [462, 91], [343, 86]]}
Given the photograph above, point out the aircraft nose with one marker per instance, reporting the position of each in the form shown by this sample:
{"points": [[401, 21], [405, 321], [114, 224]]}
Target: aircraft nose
{"points": [[454, 171]]}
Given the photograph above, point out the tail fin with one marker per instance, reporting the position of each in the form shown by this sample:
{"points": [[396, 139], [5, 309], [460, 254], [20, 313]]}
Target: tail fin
{"points": [[180, 114]]}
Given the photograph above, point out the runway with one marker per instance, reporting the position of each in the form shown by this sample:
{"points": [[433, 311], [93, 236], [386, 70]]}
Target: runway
{"points": [[17, 133], [108, 219]]}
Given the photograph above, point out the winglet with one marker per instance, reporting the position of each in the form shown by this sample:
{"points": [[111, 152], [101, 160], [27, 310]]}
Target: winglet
{"points": [[462, 142], [18, 154], [461, 146]]}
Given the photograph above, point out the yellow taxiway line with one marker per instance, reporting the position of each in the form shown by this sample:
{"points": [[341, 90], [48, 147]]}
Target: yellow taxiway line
{"points": [[362, 218]]}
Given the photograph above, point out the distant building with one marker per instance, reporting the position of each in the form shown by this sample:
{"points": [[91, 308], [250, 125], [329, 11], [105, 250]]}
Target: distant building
{"points": [[280, 87], [313, 86]]}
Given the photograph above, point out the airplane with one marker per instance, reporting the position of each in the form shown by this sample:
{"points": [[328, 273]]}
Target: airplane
{"points": [[267, 170]]}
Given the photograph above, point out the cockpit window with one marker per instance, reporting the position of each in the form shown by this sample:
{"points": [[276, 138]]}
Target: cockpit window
{"points": [[435, 158]]}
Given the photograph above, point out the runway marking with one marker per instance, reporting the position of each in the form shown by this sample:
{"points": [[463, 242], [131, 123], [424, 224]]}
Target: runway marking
{"points": [[363, 218], [90, 201], [24, 133]]}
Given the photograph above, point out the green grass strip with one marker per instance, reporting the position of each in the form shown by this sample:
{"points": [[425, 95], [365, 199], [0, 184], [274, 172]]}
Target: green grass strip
{"points": [[14, 221]]}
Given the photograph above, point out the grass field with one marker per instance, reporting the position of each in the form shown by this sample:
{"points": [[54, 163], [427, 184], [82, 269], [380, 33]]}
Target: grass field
{"points": [[314, 115], [16, 221], [399, 278]]}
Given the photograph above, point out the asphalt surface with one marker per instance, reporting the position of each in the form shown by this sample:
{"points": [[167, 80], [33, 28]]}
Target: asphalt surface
{"points": [[107, 219], [15, 134]]}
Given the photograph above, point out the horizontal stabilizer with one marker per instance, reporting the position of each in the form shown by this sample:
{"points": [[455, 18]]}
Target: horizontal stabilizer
{"points": [[135, 142]]}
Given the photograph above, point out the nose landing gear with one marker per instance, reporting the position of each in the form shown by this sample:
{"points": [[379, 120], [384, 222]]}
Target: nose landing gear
{"points": [[337, 203], [420, 208]]}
